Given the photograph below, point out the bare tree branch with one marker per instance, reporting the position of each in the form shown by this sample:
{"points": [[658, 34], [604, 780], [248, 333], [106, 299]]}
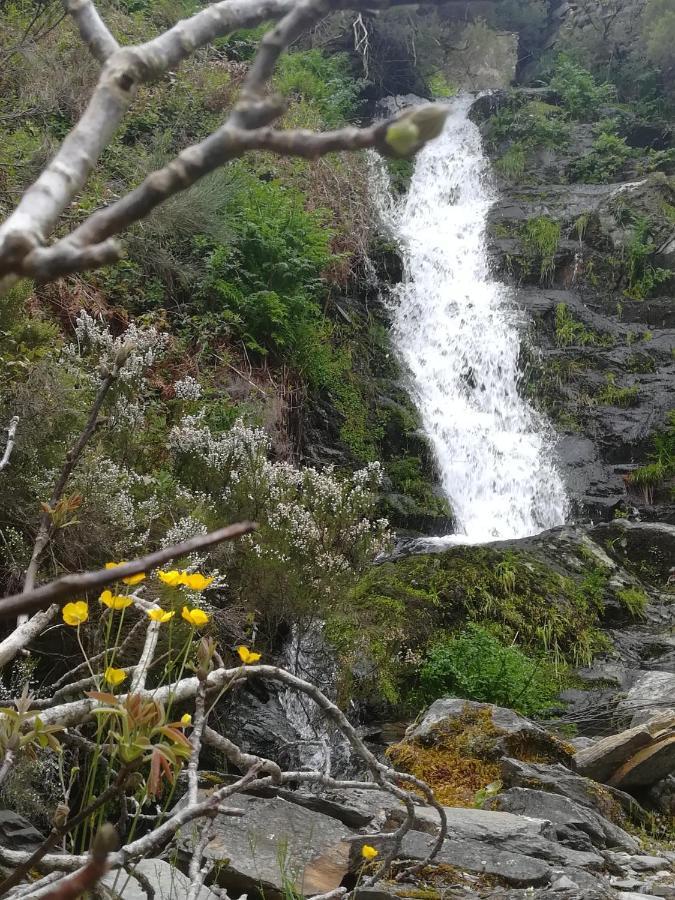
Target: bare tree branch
{"points": [[73, 585], [9, 446], [24, 235]]}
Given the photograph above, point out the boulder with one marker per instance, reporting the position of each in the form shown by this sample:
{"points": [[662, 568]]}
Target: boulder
{"points": [[575, 826], [167, 882], [609, 802], [649, 765], [277, 845], [652, 696], [511, 732], [17, 833], [600, 761]]}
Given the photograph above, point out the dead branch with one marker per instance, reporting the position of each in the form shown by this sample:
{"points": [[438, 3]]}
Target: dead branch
{"points": [[9, 446], [73, 585]]}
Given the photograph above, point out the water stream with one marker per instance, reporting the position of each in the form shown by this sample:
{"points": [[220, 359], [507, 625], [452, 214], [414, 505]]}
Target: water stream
{"points": [[458, 331]]}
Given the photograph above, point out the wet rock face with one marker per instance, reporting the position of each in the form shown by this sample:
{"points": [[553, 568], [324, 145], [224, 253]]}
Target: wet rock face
{"points": [[599, 346]]}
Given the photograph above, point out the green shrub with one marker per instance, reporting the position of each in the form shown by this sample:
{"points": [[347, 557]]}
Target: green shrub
{"points": [[643, 278], [512, 163], [475, 665], [439, 86], [605, 162], [580, 93], [325, 82], [570, 331]]}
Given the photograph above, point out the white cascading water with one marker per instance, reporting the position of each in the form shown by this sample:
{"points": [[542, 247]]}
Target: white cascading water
{"points": [[458, 331]]}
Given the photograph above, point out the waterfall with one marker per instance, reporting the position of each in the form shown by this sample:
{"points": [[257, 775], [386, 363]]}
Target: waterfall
{"points": [[458, 330]]}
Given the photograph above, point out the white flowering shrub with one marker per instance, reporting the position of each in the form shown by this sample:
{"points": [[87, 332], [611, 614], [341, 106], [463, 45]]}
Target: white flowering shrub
{"points": [[188, 388], [143, 346], [317, 530]]}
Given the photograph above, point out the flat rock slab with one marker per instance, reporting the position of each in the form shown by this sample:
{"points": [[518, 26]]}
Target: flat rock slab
{"points": [[558, 779], [277, 844], [168, 882], [648, 766], [653, 694], [516, 869], [600, 761], [573, 822]]}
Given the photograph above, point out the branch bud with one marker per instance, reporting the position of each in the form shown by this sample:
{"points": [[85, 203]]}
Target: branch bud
{"points": [[105, 842], [410, 132]]}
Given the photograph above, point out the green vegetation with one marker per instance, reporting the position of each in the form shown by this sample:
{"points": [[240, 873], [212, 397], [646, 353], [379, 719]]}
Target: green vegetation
{"points": [[613, 395], [521, 602], [648, 479], [541, 237], [571, 332], [439, 86], [580, 93], [635, 600], [606, 161], [476, 665], [643, 277], [512, 163]]}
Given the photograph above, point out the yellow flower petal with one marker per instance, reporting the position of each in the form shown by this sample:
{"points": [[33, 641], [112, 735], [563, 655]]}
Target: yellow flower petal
{"points": [[112, 565], [248, 657], [134, 579], [113, 601], [196, 581], [368, 852], [186, 719], [75, 613], [114, 676], [172, 578], [160, 615], [196, 617]]}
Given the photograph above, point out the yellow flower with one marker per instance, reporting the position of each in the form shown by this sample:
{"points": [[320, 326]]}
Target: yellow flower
{"points": [[76, 613], [196, 617], [114, 676], [115, 602], [134, 579], [160, 615], [248, 657], [130, 579], [368, 852], [196, 582], [172, 578], [186, 719]]}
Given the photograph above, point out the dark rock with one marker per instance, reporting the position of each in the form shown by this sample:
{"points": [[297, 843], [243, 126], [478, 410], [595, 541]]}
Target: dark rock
{"points": [[276, 843], [609, 802], [17, 833], [568, 817]]}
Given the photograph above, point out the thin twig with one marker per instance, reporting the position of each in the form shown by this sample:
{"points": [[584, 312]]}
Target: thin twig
{"points": [[73, 585]]}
